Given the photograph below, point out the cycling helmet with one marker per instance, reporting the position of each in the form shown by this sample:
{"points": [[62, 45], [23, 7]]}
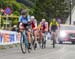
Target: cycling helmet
{"points": [[43, 20], [32, 17], [23, 12], [54, 19]]}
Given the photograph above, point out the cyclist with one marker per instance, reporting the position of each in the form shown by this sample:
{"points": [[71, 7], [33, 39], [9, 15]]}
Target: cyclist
{"points": [[43, 29], [54, 25], [34, 30], [24, 21], [44, 25]]}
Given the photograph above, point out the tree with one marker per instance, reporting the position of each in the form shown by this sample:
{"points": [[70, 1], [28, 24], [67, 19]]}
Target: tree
{"points": [[15, 6], [50, 8]]}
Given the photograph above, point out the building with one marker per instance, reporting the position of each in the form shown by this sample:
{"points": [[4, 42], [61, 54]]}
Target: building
{"points": [[72, 12]]}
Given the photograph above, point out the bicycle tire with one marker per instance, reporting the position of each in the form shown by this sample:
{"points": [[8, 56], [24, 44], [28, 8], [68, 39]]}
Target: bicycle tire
{"points": [[43, 43], [22, 46], [35, 46], [53, 43]]}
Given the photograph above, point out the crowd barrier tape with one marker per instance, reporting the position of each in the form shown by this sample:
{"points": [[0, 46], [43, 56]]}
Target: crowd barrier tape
{"points": [[9, 37]]}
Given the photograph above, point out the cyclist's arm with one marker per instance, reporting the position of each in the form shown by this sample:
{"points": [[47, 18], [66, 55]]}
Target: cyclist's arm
{"points": [[35, 24], [50, 26], [28, 17], [19, 21], [57, 25], [29, 21]]}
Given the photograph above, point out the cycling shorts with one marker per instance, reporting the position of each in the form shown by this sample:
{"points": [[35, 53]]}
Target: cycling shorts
{"points": [[54, 28]]}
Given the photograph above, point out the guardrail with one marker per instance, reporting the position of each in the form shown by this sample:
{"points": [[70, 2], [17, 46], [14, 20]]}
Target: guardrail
{"points": [[10, 16]]}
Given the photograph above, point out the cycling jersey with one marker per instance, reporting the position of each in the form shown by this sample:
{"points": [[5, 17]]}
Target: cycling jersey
{"points": [[54, 25], [44, 26], [24, 21], [34, 24]]}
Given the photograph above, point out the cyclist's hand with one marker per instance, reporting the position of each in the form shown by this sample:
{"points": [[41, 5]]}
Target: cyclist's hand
{"points": [[50, 29], [29, 23]]}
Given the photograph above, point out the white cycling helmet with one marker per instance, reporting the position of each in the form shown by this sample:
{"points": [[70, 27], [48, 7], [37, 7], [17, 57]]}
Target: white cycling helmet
{"points": [[43, 20], [32, 17]]}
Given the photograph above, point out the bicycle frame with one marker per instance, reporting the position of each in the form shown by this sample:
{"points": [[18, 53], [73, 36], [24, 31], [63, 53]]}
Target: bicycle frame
{"points": [[24, 41]]}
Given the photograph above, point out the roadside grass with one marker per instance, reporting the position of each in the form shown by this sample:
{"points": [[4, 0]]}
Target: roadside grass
{"points": [[2, 47]]}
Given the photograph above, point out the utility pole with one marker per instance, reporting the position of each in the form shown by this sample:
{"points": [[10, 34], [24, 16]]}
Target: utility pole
{"points": [[70, 11]]}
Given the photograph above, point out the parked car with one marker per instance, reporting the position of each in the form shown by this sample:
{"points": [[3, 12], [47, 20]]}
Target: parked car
{"points": [[66, 33]]}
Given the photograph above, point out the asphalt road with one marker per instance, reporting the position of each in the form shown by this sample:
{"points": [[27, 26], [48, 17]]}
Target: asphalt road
{"points": [[65, 51]]}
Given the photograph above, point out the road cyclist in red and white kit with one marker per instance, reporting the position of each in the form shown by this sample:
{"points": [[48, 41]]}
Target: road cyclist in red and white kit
{"points": [[43, 32], [34, 31]]}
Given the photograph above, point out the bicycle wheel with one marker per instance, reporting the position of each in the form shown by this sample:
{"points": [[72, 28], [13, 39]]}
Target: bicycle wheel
{"points": [[22, 45], [43, 43], [44, 40], [53, 38], [53, 43]]}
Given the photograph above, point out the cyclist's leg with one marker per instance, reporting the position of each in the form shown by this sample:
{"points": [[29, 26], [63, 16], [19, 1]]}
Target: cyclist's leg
{"points": [[40, 38], [35, 38], [54, 35], [29, 38], [45, 37], [35, 35]]}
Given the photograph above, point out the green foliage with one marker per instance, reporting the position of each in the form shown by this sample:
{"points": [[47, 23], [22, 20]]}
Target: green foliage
{"points": [[49, 9], [40, 8], [15, 22], [15, 6], [16, 13]]}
